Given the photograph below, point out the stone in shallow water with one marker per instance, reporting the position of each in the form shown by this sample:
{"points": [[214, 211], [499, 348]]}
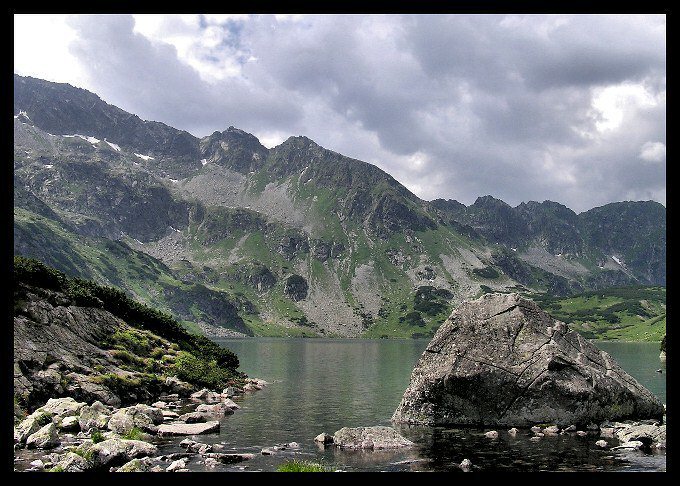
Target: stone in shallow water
{"points": [[379, 437], [189, 429], [501, 360]]}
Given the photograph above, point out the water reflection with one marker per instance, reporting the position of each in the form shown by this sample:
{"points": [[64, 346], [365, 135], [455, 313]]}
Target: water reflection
{"points": [[322, 385]]}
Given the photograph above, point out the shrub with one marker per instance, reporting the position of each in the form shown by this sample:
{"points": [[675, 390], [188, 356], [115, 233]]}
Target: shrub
{"points": [[201, 372], [34, 272], [96, 436], [302, 466], [134, 434]]}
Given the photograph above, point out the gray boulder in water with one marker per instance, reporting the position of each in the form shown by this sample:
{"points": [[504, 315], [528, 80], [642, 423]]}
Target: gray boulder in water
{"points": [[501, 360]]}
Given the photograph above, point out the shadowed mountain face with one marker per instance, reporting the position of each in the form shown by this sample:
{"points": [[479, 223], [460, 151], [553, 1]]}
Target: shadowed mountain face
{"points": [[226, 213]]}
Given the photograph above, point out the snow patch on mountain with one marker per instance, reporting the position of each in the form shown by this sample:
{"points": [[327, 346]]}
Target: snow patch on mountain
{"points": [[113, 146], [144, 157]]}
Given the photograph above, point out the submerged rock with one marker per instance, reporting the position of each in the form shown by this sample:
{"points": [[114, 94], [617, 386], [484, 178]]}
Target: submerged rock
{"points": [[379, 437], [501, 360]]}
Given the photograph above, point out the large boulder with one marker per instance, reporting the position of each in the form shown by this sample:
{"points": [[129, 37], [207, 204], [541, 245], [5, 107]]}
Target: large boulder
{"points": [[116, 452], [46, 437], [378, 437], [141, 416], [72, 462], [30, 425], [96, 416], [60, 408], [501, 360]]}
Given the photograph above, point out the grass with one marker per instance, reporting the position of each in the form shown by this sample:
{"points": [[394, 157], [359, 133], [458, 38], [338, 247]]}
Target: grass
{"points": [[622, 314], [302, 466]]}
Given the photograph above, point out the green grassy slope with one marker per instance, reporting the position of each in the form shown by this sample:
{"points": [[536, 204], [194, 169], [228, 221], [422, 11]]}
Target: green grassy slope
{"points": [[625, 313]]}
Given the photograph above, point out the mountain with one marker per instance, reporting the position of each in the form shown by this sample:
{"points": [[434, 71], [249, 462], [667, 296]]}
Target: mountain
{"points": [[238, 239]]}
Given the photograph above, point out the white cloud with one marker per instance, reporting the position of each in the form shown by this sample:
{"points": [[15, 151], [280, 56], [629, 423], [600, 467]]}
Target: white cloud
{"points": [[521, 107], [41, 48], [653, 152]]}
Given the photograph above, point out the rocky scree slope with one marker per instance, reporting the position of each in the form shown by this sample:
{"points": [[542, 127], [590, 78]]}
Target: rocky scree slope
{"points": [[238, 221]]}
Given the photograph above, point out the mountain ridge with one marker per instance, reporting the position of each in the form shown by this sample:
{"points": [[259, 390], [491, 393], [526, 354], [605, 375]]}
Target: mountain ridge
{"points": [[248, 221]]}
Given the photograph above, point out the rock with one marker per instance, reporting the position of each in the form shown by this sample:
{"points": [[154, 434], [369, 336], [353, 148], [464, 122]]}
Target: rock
{"points": [[291, 445], [193, 418], [571, 428], [492, 434], [633, 444], [136, 465], [206, 396], [72, 462], [535, 438], [95, 416], [112, 452], [177, 387], [189, 429], [46, 437], [647, 434], [593, 426], [38, 464], [551, 430], [219, 409], [178, 464], [296, 287], [62, 407], [378, 437], [30, 425], [211, 463], [581, 433], [501, 360], [539, 434], [660, 445], [170, 397], [601, 444], [69, 423], [607, 431], [466, 464], [324, 438], [229, 392], [169, 414], [140, 416], [513, 431], [267, 451], [535, 429], [229, 458], [230, 404], [160, 404]]}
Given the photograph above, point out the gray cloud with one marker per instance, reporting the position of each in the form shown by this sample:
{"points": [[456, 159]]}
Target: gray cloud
{"points": [[499, 105]]}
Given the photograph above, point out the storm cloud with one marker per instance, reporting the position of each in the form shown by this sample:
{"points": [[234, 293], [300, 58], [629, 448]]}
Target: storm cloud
{"points": [[566, 108]]}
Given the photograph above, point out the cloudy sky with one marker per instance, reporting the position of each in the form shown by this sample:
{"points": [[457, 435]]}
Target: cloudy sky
{"points": [[566, 108]]}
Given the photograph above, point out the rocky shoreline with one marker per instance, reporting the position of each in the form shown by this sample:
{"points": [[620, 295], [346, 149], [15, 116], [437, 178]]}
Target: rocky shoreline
{"points": [[65, 435]]}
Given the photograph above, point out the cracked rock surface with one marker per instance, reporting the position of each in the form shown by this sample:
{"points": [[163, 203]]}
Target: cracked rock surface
{"points": [[501, 360]]}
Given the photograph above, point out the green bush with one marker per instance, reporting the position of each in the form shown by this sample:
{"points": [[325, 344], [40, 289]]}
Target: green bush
{"points": [[96, 436], [134, 434], [34, 272], [201, 372], [302, 466]]}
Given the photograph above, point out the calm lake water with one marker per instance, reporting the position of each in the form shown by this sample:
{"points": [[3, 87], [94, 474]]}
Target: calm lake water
{"points": [[322, 385]]}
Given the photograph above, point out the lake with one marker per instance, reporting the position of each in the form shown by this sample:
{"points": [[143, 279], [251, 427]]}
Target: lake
{"points": [[322, 385]]}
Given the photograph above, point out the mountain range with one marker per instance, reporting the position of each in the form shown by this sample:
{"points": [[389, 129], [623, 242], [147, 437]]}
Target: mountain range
{"points": [[235, 238]]}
